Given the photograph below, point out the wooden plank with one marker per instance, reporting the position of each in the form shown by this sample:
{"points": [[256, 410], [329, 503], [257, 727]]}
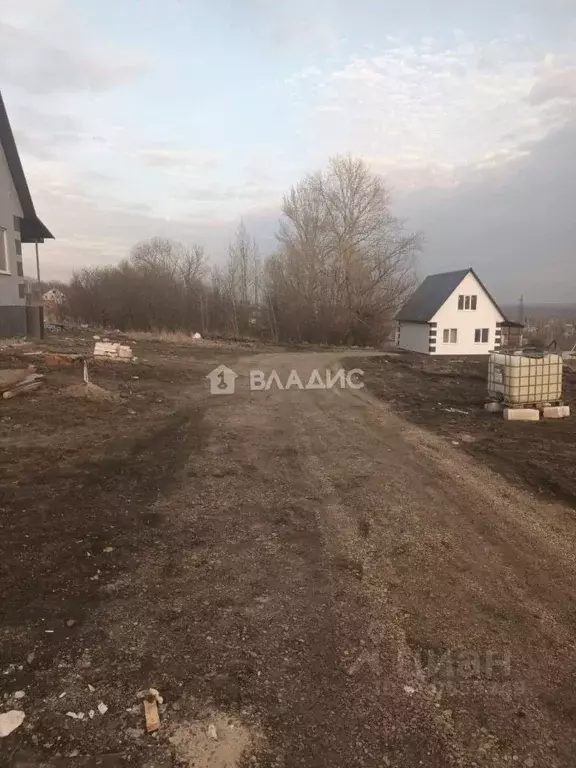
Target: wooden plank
{"points": [[152, 715], [25, 388]]}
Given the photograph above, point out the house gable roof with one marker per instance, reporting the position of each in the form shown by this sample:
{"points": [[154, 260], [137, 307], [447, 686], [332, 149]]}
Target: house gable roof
{"points": [[31, 228], [433, 292]]}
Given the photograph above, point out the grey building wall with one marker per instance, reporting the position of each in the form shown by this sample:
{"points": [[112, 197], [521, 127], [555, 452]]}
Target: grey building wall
{"points": [[9, 209]]}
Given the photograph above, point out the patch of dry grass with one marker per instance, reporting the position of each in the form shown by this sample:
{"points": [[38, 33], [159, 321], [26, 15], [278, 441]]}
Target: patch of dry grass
{"points": [[169, 337]]}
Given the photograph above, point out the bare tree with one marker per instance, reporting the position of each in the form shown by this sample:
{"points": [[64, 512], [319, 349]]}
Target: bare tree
{"points": [[243, 280], [192, 264], [157, 255], [345, 264]]}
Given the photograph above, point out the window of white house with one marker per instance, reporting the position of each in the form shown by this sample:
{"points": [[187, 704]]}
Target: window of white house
{"points": [[481, 335], [3, 251], [450, 335], [467, 302]]}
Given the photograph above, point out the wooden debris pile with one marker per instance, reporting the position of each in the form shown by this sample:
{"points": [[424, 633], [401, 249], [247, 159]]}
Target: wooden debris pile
{"points": [[16, 381]]}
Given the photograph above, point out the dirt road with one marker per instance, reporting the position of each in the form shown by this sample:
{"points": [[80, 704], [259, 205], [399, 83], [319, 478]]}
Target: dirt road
{"points": [[349, 588]]}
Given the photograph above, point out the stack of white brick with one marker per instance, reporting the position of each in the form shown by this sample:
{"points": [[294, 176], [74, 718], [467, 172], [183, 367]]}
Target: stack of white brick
{"points": [[533, 414], [112, 350]]}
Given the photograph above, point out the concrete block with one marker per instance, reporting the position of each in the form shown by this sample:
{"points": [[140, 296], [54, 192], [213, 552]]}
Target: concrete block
{"points": [[521, 414], [494, 407], [556, 411]]}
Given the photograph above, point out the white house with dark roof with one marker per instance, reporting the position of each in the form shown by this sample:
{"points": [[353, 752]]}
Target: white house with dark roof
{"points": [[18, 224], [451, 313]]}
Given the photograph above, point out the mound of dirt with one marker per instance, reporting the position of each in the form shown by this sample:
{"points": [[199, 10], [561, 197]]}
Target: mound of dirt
{"points": [[90, 392]]}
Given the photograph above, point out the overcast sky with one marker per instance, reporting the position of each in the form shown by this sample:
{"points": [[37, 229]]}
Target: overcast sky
{"points": [[176, 117]]}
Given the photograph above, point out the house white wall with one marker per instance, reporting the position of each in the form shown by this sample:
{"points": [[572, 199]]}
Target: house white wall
{"points": [[413, 336], [9, 207], [466, 321]]}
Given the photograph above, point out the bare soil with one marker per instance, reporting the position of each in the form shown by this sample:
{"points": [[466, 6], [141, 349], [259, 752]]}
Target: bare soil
{"points": [[318, 579], [447, 395]]}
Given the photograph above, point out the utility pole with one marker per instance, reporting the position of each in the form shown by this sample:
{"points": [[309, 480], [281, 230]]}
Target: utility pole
{"points": [[521, 319]]}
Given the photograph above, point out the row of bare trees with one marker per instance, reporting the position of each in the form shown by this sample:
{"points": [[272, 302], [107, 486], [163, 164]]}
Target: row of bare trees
{"points": [[342, 267]]}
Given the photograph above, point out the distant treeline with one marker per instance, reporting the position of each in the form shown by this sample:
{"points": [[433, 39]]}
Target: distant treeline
{"points": [[342, 268]]}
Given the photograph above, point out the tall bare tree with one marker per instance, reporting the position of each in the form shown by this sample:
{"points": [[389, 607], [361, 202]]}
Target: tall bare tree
{"points": [[345, 263]]}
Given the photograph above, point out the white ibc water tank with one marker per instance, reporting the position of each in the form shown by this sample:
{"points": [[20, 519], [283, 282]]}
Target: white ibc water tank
{"points": [[522, 379]]}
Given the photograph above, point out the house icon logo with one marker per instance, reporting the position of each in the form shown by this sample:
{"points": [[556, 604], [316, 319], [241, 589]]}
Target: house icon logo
{"points": [[222, 381]]}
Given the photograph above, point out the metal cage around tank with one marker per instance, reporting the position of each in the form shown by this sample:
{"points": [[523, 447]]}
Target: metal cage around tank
{"points": [[525, 378]]}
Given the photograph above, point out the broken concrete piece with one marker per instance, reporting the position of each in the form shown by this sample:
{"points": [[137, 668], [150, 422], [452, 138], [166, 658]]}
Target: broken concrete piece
{"points": [[556, 411], [9, 721], [212, 732], [102, 708], [112, 350], [521, 414], [196, 336], [156, 694]]}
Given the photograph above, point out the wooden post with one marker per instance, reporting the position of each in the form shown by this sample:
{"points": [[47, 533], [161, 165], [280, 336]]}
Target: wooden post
{"points": [[37, 265]]}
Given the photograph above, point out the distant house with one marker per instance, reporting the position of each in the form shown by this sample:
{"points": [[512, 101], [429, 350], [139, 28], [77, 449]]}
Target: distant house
{"points": [[18, 224], [450, 314], [54, 302]]}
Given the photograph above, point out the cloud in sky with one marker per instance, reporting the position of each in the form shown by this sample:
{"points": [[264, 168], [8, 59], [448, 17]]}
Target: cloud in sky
{"points": [[169, 158], [513, 221], [432, 103], [557, 83], [35, 64], [146, 118]]}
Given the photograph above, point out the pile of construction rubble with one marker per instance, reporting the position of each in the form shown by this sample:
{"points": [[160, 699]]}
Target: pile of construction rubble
{"points": [[15, 381], [113, 350]]}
